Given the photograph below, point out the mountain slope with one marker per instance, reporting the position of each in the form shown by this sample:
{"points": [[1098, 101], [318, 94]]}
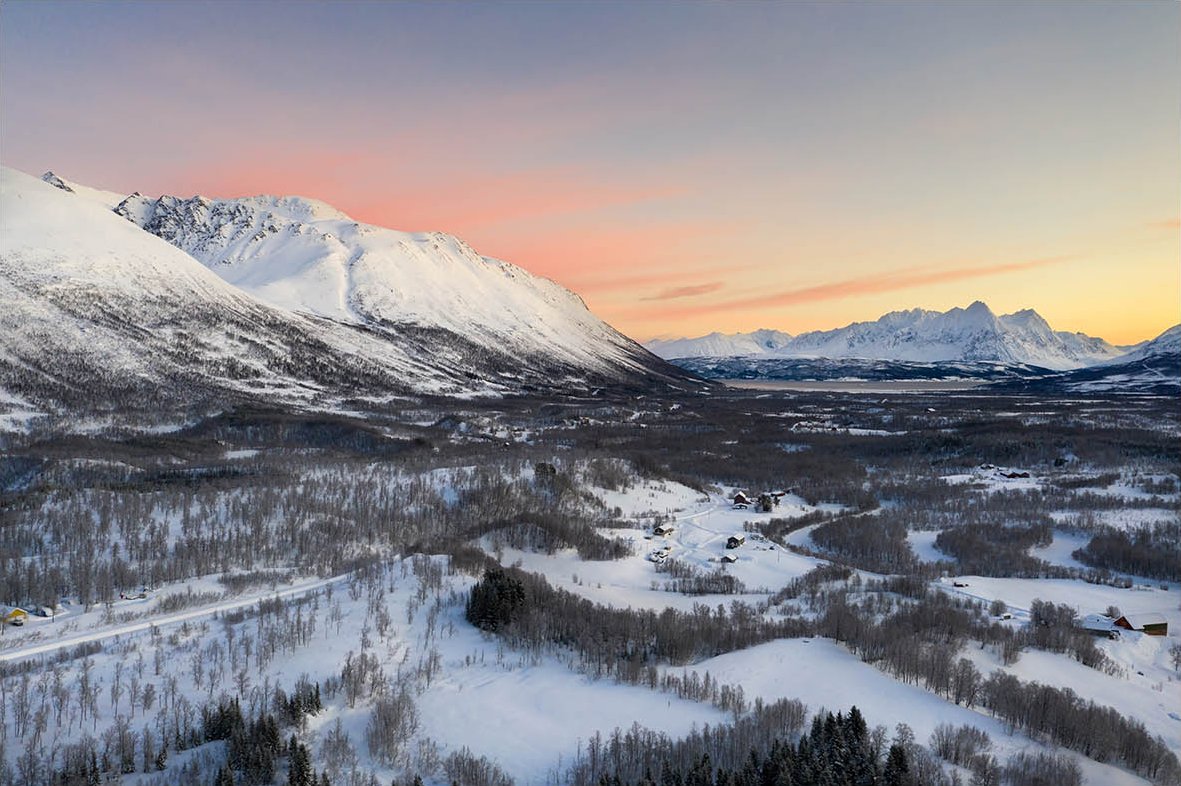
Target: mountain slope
{"points": [[101, 315], [1167, 343], [973, 334], [305, 256], [98, 312], [1153, 368]]}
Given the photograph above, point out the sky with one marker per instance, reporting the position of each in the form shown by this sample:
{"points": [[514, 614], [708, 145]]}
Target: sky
{"points": [[684, 166]]}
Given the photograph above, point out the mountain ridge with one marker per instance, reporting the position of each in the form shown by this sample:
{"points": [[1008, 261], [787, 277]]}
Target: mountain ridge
{"points": [[105, 315], [970, 334]]}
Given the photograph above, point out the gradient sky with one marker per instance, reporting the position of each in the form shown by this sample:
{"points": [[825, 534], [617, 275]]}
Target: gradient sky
{"points": [[685, 167]]}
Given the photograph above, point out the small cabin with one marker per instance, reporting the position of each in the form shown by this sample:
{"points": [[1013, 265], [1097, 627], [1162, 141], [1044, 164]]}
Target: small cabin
{"points": [[662, 529], [1149, 624], [729, 558], [15, 616], [741, 501], [734, 541], [1099, 625]]}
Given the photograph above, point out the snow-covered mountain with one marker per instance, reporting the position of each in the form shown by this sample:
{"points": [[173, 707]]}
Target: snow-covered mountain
{"points": [[1167, 343], [1152, 368], [272, 299], [305, 256], [972, 334], [719, 345]]}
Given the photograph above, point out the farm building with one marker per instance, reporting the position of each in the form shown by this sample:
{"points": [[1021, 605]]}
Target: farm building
{"points": [[735, 541], [1099, 625], [1151, 624], [14, 616], [741, 500]]}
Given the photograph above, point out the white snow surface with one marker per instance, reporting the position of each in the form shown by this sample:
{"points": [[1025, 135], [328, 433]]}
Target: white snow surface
{"points": [[714, 345], [76, 279], [304, 255], [974, 333], [822, 673], [280, 297]]}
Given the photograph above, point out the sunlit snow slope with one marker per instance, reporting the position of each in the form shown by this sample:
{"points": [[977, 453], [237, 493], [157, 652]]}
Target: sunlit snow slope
{"points": [[311, 307], [972, 334], [303, 255]]}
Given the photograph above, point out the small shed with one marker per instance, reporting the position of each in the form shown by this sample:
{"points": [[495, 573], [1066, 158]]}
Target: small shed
{"points": [[1150, 624], [734, 541], [15, 616]]}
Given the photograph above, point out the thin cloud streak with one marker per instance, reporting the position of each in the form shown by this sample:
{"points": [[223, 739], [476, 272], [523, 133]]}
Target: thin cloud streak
{"points": [[692, 290], [1169, 224], [886, 282]]}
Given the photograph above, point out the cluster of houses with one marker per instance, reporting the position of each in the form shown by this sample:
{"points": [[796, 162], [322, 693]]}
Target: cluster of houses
{"points": [[1011, 474], [1102, 625], [15, 615], [766, 502]]}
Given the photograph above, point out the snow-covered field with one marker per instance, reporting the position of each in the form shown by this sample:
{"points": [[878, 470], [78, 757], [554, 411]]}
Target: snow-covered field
{"points": [[542, 709], [531, 713], [821, 673]]}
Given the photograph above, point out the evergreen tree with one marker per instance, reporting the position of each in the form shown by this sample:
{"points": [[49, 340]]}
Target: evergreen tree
{"points": [[495, 600], [897, 765]]}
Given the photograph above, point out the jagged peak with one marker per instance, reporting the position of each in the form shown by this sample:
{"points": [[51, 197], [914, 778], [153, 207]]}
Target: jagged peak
{"points": [[57, 182], [970, 333], [105, 198]]}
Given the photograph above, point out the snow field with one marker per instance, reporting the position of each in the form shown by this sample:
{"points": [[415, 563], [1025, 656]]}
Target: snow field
{"points": [[701, 526], [821, 673], [525, 714]]}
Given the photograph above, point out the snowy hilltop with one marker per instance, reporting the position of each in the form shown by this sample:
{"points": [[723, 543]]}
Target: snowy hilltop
{"points": [[972, 334]]}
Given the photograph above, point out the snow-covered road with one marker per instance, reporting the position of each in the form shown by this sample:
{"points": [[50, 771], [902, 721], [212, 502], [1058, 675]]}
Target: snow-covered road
{"points": [[20, 652]]}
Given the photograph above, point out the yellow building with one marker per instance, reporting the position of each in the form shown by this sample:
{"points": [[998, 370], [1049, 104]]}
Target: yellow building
{"points": [[15, 616]]}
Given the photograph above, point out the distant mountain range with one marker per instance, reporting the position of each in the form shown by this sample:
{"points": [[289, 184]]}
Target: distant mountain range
{"points": [[972, 335], [123, 303], [1018, 352]]}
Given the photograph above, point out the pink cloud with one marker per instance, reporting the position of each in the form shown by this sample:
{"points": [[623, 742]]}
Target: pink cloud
{"points": [[692, 290], [884, 282]]}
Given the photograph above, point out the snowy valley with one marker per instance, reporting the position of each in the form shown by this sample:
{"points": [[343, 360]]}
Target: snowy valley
{"points": [[542, 591], [287, 498]]}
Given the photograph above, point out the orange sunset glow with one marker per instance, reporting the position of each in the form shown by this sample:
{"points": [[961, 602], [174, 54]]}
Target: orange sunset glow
{"points": [[684, 167]]}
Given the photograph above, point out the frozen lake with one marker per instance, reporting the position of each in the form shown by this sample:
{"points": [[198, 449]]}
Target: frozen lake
{"points": [[855, 386]]}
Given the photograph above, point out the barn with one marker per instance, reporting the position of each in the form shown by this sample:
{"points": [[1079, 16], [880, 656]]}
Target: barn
{"points": [[1150, 624]]}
